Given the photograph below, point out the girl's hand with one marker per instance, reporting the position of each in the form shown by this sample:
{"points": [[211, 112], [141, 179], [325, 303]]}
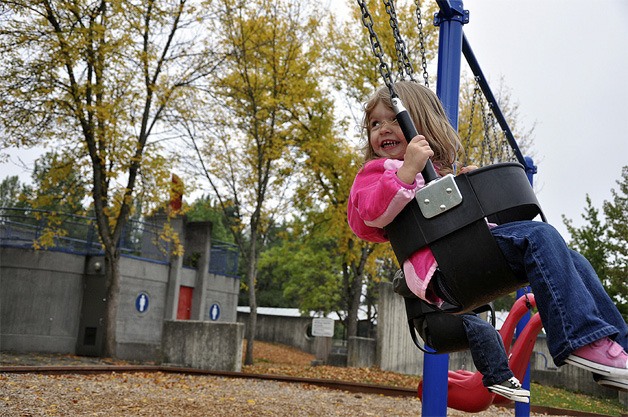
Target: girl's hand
{"points": [[468, 168], [416, 156]]}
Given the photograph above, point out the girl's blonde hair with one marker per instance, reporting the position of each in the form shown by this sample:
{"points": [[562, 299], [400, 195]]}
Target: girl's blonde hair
{"points": [[429, 118]]}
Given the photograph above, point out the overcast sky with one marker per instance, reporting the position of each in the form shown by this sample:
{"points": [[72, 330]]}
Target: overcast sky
{"points": [[566, 65]]}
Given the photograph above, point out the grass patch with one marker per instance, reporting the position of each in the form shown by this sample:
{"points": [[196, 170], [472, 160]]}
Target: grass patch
{"points": [[560, 398]]}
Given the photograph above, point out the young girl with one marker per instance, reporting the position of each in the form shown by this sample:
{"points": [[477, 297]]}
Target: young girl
{"points": [[583, 326]]}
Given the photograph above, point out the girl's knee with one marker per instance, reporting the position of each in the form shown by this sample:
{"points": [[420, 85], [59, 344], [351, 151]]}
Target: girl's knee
{"points": [[545, 230]]}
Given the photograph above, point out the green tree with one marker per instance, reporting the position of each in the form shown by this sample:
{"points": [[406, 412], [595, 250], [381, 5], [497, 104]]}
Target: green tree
{"points": [[56, 193], [10, 191], [589, 239], [616, 212], [604, 242], [258, 111], [57, 185], [104, 80], [269, 283], [298, 273], [207, 209]]}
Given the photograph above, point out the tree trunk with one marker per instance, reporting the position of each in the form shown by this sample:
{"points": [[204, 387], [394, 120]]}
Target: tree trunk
{"points": [[112, 276], [355, 292], [250, 330], [252, 325], [352, 314]]}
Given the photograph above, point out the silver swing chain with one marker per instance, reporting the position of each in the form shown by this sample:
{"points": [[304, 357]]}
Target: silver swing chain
{"points": [[400, 46], [426, 77], [376, 46]]}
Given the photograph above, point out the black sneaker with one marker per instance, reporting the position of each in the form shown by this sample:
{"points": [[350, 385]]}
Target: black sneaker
{"points": [[512, 390]]}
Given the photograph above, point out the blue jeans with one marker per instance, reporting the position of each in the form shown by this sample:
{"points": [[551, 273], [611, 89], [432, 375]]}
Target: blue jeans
{"points": [[574, 307], [487, 350]]}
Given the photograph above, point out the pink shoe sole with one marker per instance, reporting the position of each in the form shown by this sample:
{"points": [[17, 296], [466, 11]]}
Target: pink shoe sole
{"points": [[603, 357]]}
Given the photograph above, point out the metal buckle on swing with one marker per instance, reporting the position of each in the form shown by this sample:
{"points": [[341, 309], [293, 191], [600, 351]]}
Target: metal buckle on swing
{"points": [[439, 196]]}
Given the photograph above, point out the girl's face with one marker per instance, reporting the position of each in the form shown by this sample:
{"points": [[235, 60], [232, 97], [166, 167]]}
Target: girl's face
{"points": [[386, 137]]}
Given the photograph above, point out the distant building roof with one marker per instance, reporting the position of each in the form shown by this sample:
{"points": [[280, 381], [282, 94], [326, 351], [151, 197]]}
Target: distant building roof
{"points": [[272, 311], [291, 312]]}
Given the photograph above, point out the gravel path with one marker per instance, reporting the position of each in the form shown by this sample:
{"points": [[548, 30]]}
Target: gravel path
{"points": [[169, 394]]}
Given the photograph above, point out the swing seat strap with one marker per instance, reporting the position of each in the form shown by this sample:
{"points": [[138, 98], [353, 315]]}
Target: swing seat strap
{"points": [[442, 332]]}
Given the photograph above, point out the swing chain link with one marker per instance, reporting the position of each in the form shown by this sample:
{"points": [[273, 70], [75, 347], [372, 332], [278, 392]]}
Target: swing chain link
{"points": [[487, 116], [376, 46], [491, 150], [426, 77], [474, 100], [400, 46]]}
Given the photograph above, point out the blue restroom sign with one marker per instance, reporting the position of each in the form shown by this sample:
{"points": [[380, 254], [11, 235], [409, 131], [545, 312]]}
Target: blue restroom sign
{"points": [[214, 312], [141, 302]]}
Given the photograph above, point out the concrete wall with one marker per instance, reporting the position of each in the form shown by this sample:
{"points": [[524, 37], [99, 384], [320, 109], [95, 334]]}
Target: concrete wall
{"points": [[291, 331], [139, 332], [361, 352], [40, 300], [203, 345], [42, 294], [395, 350], [223, 292]]}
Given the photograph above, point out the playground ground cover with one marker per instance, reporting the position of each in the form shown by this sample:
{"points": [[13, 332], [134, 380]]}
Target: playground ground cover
{"points": [[269, 359], [161, 394]]}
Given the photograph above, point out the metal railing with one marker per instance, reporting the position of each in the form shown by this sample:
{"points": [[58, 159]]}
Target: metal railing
{"points": [[70, 233], [224, 259]]}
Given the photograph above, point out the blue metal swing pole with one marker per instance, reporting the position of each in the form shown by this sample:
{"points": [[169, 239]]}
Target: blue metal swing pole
{"points": [[523, 409], [450, 19]]}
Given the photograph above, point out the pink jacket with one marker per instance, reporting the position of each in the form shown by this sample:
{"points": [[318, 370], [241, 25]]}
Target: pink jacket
{"points": [[377, 196]]}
